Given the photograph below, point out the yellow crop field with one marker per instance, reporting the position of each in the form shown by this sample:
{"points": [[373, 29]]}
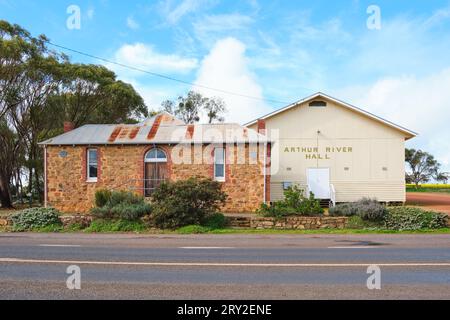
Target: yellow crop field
{"points": [[429, 186]]}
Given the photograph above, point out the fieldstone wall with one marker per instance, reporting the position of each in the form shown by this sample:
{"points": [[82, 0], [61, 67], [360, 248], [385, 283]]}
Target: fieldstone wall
{"points": [[83, 220], [297, 222], [4, 222], [122, 168]]}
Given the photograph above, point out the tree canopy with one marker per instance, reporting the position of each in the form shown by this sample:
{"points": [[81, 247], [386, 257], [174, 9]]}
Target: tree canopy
{"points": [[189, 108], [39, 90], [423, 167]]}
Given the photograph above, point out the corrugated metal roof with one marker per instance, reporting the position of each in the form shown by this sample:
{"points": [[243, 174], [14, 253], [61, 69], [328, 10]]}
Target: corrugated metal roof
{"points": [[165, 119], [158, 129]]}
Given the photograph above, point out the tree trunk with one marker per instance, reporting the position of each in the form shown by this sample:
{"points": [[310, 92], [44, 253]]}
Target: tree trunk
{"points": [[5, 194], [30, 178], [38, 185], [19, 187]]}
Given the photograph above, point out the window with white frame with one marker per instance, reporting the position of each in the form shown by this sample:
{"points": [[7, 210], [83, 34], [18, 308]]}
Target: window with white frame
{"points": [[92, 165], [155, 155], [219, 164]]}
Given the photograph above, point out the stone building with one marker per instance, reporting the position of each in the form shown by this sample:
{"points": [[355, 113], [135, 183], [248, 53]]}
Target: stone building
{"points": [[140, 157]]}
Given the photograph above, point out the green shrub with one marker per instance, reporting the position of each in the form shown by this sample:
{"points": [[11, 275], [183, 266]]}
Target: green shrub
{"points": [[294, 203], [193, 228], [356, 222], [120, 205], [74, 227], [366, 208], [215, 221], [50, 228], [408, 218], [347, 209], [119, 197], [102, 197], [35, 218], [186, 202], [116, 226]]}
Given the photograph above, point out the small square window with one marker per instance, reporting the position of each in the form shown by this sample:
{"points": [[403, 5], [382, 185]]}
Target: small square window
{"points": [[287, 185]]}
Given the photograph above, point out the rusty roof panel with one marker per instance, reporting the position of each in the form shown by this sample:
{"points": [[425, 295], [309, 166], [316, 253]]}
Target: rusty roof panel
{"points": [[133, 132], [114, 134], [190, 131], [155, 127], [123, 133], [167, 120]]}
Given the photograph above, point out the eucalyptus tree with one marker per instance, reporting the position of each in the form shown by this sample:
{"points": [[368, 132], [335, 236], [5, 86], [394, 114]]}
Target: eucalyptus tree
{"points": [[189, 108], [422, 166], [39, 90]]}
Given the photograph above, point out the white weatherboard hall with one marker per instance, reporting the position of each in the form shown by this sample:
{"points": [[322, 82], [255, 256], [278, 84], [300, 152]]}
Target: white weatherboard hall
{"points": [[338, 151]]}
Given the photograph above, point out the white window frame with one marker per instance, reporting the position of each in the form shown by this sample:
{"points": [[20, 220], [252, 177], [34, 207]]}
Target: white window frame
{"points": [[88, 177], [155, 159], [216, 178]]}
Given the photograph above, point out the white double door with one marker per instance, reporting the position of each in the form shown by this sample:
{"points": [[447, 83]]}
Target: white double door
{"points": [[319, 182]]}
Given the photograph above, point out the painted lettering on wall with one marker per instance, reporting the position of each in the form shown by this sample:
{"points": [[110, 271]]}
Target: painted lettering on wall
{"points": [[316, 153]]}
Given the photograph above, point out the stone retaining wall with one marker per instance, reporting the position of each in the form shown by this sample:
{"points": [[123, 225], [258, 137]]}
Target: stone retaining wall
{"points": [[83, 220], [300, 223]]}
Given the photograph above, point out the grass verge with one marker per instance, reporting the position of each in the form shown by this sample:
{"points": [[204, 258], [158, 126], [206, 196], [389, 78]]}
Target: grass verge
{"points": [[115, 226]]}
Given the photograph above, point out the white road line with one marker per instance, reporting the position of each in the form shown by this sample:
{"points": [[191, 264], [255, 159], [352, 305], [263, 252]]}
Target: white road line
{"points": [[206, 247], [225, 264], [352, 247], [59, 245]]}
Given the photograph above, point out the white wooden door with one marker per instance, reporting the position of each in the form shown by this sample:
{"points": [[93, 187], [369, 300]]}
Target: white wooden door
{"points": [[319, 182]]}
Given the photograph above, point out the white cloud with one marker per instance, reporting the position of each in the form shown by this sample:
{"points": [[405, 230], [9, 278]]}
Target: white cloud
{"points": [[153, 95], [209, 28], [225, 67], [146, 57], [132, 24], [90, 13], [420, 104], [173, 14], [438, 17]]}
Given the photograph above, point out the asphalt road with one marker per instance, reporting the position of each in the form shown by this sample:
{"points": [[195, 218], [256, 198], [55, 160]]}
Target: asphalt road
{"points": [[33, 266]]}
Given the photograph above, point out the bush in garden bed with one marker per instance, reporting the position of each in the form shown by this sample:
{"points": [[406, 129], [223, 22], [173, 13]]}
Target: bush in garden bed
{"points": [[366, 208], [186, 202], [120, 205], [101, 225], [190, 229], [294, 203], [35, 218], [408, 218], [215, 221]]}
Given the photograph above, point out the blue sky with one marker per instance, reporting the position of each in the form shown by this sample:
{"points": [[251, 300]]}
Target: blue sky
{"points": [[271, 50]]}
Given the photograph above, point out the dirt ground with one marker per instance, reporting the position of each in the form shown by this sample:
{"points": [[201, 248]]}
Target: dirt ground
{"points": [[429, 200]]}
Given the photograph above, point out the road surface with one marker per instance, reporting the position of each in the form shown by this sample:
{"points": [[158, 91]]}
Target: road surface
{"points": [[33, 266]]}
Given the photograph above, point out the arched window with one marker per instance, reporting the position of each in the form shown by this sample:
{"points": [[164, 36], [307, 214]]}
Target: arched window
{"points": [[155, 155], [156, 171], [318, 103]]}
